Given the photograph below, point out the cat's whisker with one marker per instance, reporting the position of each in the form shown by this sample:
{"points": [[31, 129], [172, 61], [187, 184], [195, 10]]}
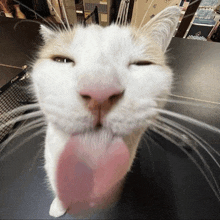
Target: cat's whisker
{"points": [[205, 146], [191, 134], [120, 13], [65, 15], [34, 160], [189, 15], [54, 27], [150, 138], [22, 129], [58, 15], [22, 143], [21, 118], [194, 99], [215, 187], [145, 15], [20, 109], [174, 133], [189, 103], [7, 141], [189, 119], [146, 138], [136, 14], [131, 141], [127, 8], [22, 21], [191, 3], [123, 13]]}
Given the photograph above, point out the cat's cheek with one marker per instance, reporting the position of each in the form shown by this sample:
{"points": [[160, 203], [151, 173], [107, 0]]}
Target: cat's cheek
{"points": [[148, 82], [131, 114], [55, 142]]}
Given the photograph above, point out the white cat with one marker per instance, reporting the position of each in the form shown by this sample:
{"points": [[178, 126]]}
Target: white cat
{"points": [[98, 89]]}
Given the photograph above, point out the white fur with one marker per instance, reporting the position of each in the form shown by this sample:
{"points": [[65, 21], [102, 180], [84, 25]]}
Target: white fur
{"points": [[96, 51]]}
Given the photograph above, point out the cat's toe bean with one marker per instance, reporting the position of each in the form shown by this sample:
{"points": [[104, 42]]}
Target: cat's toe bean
{"points": [[56, 208]]}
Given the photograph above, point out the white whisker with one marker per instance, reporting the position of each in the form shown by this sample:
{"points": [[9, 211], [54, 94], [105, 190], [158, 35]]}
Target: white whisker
{"points": [[20, 109], [175, 134], [120, 13], [194, 137], [124, 13], [22, 21], [29, 126], [191, 3], [65, 15], [127, 8], [21, 118], [145, 15], [216, 192], [146, 137], [50, 24], [21, 130], [188, 103], [17, 147], [194, 99], [40, 151], [189, 15], [136, 13], [189, 119], [57, 14], [191, 134]]}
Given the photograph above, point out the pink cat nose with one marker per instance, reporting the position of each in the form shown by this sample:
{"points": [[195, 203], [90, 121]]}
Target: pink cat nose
{"points": [[99, 101], [100, 92], [101, 95]]}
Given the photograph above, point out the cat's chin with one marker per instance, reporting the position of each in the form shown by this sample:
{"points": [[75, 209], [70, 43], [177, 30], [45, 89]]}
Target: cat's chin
{"points": [[82, 130], [97, 131]]}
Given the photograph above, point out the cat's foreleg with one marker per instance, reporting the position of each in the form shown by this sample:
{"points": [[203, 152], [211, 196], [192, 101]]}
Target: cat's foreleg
{"points": [[56, 208], [53, 146]]}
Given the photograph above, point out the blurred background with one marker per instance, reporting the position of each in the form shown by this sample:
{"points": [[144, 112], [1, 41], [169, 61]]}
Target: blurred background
{"points": [[201, 20]]}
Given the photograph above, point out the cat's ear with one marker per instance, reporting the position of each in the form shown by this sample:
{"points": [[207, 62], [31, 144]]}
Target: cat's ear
{"points": [[47, 33], [162, 27]]}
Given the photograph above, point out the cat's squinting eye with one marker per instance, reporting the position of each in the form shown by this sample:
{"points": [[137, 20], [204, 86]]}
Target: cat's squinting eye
{"points": [[61, 59], [142, 63]]}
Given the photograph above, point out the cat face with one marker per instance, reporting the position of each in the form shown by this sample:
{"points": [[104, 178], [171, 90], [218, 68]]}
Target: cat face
{"points": [[100, 57]]}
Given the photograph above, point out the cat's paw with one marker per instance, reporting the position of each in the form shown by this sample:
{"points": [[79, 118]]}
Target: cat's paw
{"points": [[56, 208]]}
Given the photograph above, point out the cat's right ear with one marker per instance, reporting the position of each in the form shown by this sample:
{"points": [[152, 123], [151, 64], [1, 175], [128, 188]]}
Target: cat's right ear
{"points": [[46, 33], [162, 27]]}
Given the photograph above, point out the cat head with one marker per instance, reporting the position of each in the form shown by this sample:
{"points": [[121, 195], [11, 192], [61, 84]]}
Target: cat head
{"points": [[119, 64]]}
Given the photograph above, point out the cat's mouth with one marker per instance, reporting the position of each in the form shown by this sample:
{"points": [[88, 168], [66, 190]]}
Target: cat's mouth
{"points": [[98, 126], [95, 163]]}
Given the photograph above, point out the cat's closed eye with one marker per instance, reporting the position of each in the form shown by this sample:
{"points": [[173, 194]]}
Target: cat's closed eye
{"points": [[141, 63], [61, 59]]}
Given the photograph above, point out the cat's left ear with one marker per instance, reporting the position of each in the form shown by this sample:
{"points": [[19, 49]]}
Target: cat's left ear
{"points": [[47, 33], [162, 27]]}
